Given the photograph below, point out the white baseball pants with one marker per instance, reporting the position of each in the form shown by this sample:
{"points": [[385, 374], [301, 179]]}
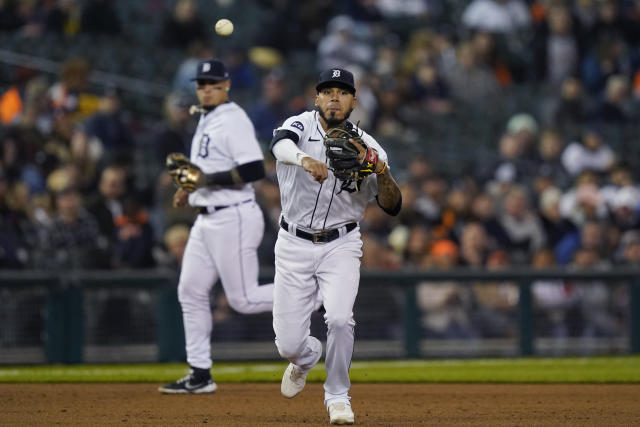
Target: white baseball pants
{"points": [[302, 270], [222, 245]]}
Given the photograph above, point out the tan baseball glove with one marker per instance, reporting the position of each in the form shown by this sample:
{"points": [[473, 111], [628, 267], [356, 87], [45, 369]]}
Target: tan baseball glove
{"points": [[184, 174]]}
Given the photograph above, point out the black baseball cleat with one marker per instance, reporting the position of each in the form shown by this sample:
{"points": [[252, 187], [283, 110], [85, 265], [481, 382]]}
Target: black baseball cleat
{"points": [[190, 384]]}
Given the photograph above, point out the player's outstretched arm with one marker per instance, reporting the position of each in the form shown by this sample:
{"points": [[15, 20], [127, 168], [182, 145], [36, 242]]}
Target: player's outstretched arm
{"points": [[389, 195], [285, 150]]}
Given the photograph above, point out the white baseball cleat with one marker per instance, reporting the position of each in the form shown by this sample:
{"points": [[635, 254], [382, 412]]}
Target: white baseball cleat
{"points": [[340, 413], [293, 379]]}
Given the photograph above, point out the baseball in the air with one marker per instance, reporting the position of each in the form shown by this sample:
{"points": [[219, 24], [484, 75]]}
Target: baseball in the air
{"points": [[224, 27]]}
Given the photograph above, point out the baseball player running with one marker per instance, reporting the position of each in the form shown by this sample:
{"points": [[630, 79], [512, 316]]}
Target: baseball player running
{"points": [[319, 247], [225, 160]]}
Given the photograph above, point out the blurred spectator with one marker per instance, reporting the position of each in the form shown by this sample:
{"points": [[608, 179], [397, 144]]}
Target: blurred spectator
{"points": [[549, 163], [629, 251], [624, 209], [13, 99], [583, 202], [420, 9], [556, 304], [590, 153], [445, 305], [495, 313], [14, 225], [608, 56], [71, 93], [377, 256], [242, 72], [106, 206], [612, 110], [72, 240], [429, 90], [470, 81], [524, 128], [596, 304], [99, 17], [556, 227], [512, 164], [522, 226], [589, 238], [183, 26], [558, 46], [417, 245], [109, 128], [611, 22], [431, 199], [497, 16], [271, 108], [376, 223], [368, 104], [454, 215], [63, 17], [571, 110], [388, 122], [474, 246], [340, 46], [483, 211], [174, 133], [175, 242], [134, 236]]}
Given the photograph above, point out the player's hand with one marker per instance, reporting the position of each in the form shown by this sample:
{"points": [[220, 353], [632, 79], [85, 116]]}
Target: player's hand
{"points": [[180, 198], [361, 150], [318, 170]]}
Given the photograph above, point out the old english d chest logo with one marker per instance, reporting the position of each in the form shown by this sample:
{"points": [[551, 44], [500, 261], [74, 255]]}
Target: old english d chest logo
{"points": [[203, 146]]}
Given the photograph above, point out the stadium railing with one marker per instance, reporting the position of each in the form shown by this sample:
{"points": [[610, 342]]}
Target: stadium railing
{"points": [[66, 304]]}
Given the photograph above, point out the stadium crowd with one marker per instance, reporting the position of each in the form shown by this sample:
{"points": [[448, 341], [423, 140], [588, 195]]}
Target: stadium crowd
{"points": [[558, 187]]}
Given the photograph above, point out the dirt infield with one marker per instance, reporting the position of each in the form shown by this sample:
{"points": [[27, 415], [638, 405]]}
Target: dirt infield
{"points": [[373, 404]]}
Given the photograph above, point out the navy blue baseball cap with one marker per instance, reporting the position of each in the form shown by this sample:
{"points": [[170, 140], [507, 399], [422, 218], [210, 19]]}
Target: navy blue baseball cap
{"points": [[211, 69], [336, 77]]}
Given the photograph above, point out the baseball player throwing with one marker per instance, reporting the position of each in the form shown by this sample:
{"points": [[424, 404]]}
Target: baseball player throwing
{"points": [[319, 247], [225, 160]]}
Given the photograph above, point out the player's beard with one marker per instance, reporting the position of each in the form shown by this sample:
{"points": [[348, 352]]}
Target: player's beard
{"points": [[332, 121]]}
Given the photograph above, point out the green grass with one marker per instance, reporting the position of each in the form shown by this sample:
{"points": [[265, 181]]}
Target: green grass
{"points": [[624, 369]]}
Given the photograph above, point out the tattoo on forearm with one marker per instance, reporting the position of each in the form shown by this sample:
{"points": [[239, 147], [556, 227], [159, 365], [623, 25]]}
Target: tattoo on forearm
{"points": [[388, 191]]}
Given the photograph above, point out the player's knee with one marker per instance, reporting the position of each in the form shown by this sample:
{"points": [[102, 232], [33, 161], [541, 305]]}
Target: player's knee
{"points": [[338, 322], [289, 349], [188, 293]]}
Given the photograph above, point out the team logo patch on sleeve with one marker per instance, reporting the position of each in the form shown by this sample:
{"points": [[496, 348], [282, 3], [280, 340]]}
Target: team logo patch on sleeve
{"points": [[298, 125]]}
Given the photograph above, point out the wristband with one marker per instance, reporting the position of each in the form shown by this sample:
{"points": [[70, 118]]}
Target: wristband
{"points": [[384, 168]]}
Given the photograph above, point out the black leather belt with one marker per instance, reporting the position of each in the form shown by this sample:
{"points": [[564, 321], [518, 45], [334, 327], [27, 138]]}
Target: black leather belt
{"points": [[323, 236], [211, 209]]}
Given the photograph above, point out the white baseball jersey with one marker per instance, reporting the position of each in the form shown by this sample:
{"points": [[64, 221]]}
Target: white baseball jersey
{"points": [[313, 206], [224, 139], [222, 243], [306, 270]]}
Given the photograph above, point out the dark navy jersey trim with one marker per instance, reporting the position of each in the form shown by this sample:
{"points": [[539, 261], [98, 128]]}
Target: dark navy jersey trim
{"points": [[314, 208], [281, 134], [335, 181]]}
